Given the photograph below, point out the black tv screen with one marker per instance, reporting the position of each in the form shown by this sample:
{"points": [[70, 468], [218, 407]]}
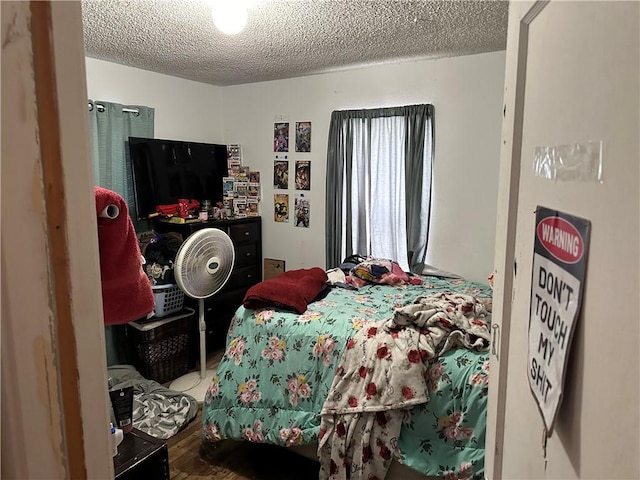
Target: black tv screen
{"points": [[167, 170]]}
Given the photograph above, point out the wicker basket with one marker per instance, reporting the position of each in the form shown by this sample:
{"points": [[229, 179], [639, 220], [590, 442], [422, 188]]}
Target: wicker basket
{"points": [[161, 347], [169, 299]]}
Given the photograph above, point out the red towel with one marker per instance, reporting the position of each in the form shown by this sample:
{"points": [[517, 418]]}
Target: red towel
{"points": [[126, 291], [293, 290]]}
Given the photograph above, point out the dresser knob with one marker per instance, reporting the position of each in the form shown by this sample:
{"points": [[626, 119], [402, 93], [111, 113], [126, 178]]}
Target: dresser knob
{"points": [[248, 254], [246, 234]]}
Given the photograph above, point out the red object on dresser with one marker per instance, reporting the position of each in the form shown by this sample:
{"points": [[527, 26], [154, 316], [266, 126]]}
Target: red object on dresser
{"points": [[126, 291]]}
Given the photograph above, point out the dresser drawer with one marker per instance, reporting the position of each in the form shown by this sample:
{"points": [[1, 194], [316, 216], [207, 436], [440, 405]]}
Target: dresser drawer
{"points": [[244, 277], [246, 254], [225, 302], [245, 232]]}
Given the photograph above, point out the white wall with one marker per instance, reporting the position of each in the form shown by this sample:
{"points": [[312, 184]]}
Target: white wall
{"points": [[184, 110], [467, 95]]}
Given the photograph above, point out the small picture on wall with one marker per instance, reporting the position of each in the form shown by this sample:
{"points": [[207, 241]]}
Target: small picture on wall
{"points": [[303, 136], [281, 174], [227, 185], [281, 207], [303, 175], [241, 189], [240, 207], [233, 167], [254, 190], [243, 173], [252, 207], [254, 177], [301, 212], [280, 137], [233, 151]]}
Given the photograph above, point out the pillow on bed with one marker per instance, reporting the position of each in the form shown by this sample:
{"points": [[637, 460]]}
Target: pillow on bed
{"points": [[382, 271]]}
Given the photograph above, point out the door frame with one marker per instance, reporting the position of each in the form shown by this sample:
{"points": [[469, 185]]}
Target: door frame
{"points": [[521, 15], [55, 406]]}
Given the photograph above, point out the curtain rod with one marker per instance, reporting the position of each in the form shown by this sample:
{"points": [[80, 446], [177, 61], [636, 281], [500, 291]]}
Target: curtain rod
{"points": [[100, 108]]}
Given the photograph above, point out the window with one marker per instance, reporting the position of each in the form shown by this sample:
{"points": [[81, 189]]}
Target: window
{"points": [[379, 165]]}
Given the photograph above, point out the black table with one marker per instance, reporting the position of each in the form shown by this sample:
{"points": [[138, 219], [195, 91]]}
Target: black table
{"points": [[141, 456]]}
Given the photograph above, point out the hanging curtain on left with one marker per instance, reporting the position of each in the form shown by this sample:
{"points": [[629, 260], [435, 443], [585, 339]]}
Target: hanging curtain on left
{"points": [[111, 125]]}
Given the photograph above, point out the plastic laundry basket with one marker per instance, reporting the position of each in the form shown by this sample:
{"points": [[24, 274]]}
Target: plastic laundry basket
{"points": [[169, 299]]}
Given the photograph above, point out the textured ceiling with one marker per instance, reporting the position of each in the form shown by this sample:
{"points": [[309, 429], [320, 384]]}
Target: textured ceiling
{"points": [[287, 38]]}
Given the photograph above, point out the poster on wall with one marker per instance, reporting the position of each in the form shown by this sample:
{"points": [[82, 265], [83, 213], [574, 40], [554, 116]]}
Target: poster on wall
{"points": [[561, 245], [303, 175], [281, 174], [281, 207], [301, 211], [303, 136], [280, 137]]}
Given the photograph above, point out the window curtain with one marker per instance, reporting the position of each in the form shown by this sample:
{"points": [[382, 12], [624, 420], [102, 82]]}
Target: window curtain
{"points": [[378, 193], [110, 126]]}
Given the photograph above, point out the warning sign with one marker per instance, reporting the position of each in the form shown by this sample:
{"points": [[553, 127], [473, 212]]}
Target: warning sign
{"points": [[559, 261]]}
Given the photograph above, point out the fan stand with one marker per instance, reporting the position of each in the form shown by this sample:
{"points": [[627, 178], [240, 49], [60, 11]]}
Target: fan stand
{"points": [[196, 384]]}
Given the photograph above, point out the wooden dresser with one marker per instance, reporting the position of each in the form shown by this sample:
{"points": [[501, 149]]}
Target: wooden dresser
{"points": [[246, 234]]}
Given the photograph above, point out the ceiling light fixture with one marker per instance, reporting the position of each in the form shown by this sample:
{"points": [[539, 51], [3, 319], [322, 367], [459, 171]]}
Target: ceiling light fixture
{"points": [[229, 16]]}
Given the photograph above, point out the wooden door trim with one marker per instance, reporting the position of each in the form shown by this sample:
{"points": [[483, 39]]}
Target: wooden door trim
{"points": [[506, 229], [56, 227]]}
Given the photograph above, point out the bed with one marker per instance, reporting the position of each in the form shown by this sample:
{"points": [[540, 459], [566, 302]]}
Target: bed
{"points": [[279, 366]]}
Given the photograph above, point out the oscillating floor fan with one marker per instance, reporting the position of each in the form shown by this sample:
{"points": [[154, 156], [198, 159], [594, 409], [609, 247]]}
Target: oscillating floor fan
{"points": [[202, 267]]}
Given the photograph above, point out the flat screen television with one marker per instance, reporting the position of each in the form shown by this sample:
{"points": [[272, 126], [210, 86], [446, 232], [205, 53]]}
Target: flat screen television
{"points": [[167, 170]]}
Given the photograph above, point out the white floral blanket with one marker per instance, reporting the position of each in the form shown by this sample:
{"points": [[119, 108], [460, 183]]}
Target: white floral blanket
{"points": [[382, 373]]}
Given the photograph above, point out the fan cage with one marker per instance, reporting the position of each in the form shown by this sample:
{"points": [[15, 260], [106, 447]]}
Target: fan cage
{"points": [[195, 254]]}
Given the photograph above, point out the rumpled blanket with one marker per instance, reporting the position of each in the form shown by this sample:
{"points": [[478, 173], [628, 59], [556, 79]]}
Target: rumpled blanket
{"points": [[380, 271], [382, 374], [291, 290], [157, 410]]}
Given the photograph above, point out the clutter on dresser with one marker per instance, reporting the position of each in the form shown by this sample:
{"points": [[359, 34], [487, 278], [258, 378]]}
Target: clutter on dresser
{"points": [[201, 182]]}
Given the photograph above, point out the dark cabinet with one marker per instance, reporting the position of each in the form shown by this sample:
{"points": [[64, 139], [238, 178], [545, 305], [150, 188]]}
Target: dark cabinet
{"points": [[246, 235], [141, 456]]}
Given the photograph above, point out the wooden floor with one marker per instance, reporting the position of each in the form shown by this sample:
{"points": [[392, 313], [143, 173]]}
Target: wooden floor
{"points": [[190, 458]]}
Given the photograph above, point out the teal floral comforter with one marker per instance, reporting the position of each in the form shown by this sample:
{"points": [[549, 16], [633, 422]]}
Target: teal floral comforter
{"points": [[279, 366]]}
